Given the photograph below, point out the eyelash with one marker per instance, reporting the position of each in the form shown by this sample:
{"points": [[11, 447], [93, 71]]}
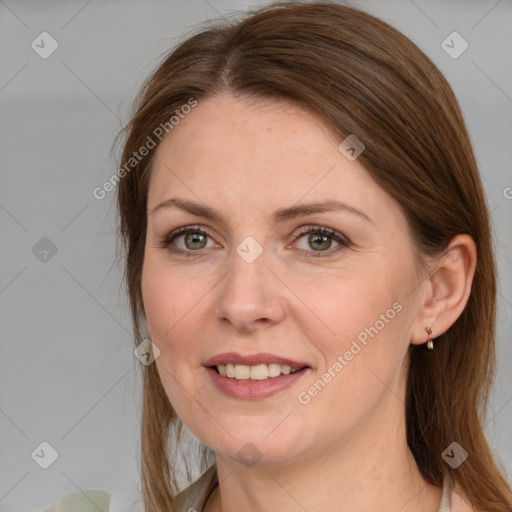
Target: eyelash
{"points": [[343, 241]]}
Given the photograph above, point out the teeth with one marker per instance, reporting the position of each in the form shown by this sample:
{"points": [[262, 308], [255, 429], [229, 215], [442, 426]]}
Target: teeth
{"points": [[229, 370], [242, 371], [258, 372], [274, 370]]}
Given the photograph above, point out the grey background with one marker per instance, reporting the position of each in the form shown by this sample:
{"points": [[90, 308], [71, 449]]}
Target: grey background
{"points": [[67, 371]]}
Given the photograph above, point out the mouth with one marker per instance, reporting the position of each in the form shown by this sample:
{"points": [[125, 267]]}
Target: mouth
{"points": [[260, 366], [255, 382], [255, 372], [254, 376]]}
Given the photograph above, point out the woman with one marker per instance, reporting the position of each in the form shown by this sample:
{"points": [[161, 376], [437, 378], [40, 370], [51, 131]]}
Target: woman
{"points": [[308, 247]]}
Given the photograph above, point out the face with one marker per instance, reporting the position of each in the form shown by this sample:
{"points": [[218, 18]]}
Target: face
{"points": [[261, 278]]}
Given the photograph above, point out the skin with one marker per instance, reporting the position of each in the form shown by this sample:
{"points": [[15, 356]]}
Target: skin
{"points": [[346, 449]]}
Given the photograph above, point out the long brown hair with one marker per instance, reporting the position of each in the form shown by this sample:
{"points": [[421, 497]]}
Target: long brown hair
{"points": [[360, 76]]}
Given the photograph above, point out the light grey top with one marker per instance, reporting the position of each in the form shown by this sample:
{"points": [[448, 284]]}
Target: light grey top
{"points": [[197, 493], [191, 499]]}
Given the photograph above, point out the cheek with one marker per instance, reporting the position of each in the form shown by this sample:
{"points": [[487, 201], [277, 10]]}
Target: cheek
{"points": [[361, 361], [346, 307], [360, 328], [166, 307], [172, 310], [176, 305], [172, 300]]}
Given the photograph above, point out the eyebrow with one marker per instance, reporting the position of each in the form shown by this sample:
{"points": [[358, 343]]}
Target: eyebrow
{"points": [[280, 215]]}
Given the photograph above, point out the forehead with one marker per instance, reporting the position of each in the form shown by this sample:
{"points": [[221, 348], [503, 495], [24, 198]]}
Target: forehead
{"points": [[239, 151], [238, 130]]}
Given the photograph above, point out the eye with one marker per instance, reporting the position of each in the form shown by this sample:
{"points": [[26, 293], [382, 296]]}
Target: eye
{"points": [[320, 239], [186, 239], [189, 239]]}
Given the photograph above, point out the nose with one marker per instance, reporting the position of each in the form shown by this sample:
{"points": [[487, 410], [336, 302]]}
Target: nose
{"points": [[250, 295]]}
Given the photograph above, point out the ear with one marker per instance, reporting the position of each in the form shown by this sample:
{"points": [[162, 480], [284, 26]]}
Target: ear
{"points": [[446, 289]]}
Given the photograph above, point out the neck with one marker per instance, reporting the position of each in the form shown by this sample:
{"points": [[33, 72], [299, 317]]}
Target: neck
{"points": [[372, 469]]}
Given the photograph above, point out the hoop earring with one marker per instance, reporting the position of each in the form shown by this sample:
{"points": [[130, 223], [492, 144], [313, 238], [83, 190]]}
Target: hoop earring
{"points": [[430, 342]]}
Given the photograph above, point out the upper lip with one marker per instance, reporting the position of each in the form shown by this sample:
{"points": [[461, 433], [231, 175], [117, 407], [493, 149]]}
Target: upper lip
{"points": [[252, 360]]}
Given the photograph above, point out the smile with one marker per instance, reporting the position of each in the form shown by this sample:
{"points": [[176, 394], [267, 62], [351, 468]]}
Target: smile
{"points": [[254, 376], [257, 372], [246, 387]]}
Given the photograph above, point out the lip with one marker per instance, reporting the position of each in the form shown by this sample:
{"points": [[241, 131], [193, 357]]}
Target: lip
{"points": [[252, 360], [255, 389]]}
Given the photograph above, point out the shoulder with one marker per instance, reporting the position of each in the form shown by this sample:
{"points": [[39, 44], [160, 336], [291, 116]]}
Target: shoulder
{"points": [[458, 502], [195, 495], [453, 499], [89, 500]]}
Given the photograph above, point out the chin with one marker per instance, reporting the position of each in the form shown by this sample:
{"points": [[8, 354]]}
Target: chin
{"points": [[257, 454], [253, 443]]}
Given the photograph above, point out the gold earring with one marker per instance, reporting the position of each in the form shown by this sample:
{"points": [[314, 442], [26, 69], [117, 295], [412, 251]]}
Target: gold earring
{"points": [[430, 343]]}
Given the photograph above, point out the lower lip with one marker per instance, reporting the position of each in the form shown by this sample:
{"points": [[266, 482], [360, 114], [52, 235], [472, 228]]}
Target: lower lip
{"points": [[254, 389]]}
